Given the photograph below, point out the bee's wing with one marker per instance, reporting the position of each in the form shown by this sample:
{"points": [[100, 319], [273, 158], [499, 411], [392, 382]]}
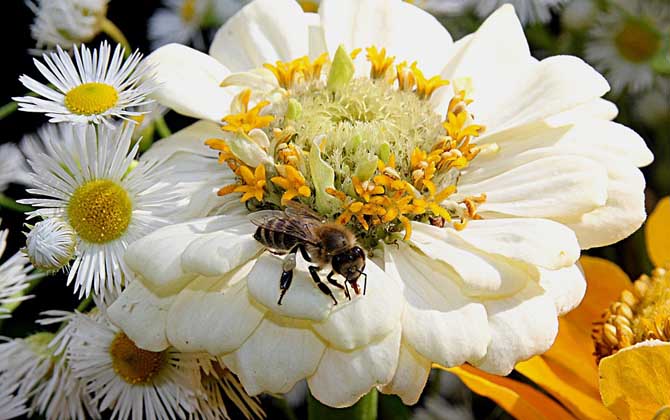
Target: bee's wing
{"points": [[298, 227], [299, 210]]}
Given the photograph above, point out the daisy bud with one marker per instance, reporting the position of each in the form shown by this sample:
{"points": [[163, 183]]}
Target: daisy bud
{"points": [[50, 244]]}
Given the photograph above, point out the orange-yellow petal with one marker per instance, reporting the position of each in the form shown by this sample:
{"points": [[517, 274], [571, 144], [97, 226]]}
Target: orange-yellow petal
{"points": [[657, 232], [635, 382], [580, 397], [520, 400]]}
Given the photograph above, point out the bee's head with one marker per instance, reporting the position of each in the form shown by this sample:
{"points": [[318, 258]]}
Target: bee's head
{"points": [[350, 264]]}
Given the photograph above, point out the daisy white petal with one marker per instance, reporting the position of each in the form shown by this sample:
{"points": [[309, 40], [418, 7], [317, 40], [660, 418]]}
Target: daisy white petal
{"points": [[13, 168], [90, 89], [15, 278], [91, 183], [11, 406], [180, 21]]}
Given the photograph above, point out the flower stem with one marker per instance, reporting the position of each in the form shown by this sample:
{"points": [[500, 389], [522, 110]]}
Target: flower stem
{"points": [[364, 409], [7, 109], [10, 204], [162, 127], [113, 31]]}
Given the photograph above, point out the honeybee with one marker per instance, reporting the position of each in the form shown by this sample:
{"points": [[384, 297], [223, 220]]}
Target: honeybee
{"points": [[319, 241]]}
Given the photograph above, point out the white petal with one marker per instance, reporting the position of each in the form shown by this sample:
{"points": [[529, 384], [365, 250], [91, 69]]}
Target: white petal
{"points": [[535, 241], [188, 82], [317, 41], [216, 253], [190, 140], [384, 24], [498, 44], [598, 108], [566, 287], [439, 322], [213, 316], [262, 32], [477, 273], [157, 257], [142, 316], [342, 378], [554, 186], [367, 317], [276, 356], [303, 300], [410, 376], [522, 326]]}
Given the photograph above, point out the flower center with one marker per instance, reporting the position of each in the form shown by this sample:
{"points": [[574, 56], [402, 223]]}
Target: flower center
{"points": [[369, 152], [188, 10], [39, 343], [100, 211], [133, 364], [637, 42], [640, 315], [91, 98]]}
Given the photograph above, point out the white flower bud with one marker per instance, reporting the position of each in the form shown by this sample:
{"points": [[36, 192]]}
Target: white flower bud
{"points": [[50, 244]]}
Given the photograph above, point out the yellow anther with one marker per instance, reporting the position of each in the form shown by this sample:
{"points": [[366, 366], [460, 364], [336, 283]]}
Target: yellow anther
{"points": [[426, 87], [354, 53], [379, 61], [366, 189], [458, 129], [247, 119], [459, 103], [253, 184], [225, 153], [293, 183]]}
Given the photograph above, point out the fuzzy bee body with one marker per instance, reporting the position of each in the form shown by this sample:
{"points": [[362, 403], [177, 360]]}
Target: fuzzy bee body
{"points": [[324, 243]]}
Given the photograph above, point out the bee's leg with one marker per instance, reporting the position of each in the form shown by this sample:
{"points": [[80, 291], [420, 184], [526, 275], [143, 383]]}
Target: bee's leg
{"points": [[314, 271], [304, 253], [284, 284], [365, 282], [334, 282], [287, 274]]}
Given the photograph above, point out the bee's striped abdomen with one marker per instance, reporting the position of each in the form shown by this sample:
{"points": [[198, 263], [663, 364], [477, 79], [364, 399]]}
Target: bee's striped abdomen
{"points": [[272, 236]]}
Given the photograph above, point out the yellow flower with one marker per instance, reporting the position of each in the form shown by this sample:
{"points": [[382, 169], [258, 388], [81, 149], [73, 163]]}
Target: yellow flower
{"points": [[633, 377], [380, 63], [247, 119], [292, 181], [253, 186]]}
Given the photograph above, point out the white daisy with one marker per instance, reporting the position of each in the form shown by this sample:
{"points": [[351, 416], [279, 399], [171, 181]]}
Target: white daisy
{"points": [[96, 87], [626, 39], [179, 21], [13, 168], [91, 183], [529, 11], [50, 244], [15, 277], [43, 141], [129, 381], [486, 179], [66, 23]]}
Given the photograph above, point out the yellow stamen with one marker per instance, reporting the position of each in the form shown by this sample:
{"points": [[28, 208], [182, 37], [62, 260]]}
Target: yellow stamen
{"points": [[100, 211], [366, 189], [379, 61], [247, 119], [91, 98], [225, 153], [293, 182], [426, 87], [287, 73], [133, 364]]}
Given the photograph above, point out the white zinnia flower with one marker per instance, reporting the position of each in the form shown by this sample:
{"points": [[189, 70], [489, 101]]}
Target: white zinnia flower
{"points": [[92, 183], [549, 174], [50, 244], [625, 40], [13, 168], [15, 277], [66, 23], [92, 89], [129, 381]]}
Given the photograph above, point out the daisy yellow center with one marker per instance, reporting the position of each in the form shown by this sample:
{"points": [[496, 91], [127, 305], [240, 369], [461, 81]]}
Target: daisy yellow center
{"points": [[91, 98], [39, 343], [100, 211], [638, 315], [370, 152], [133, 364], [637, 42]]}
